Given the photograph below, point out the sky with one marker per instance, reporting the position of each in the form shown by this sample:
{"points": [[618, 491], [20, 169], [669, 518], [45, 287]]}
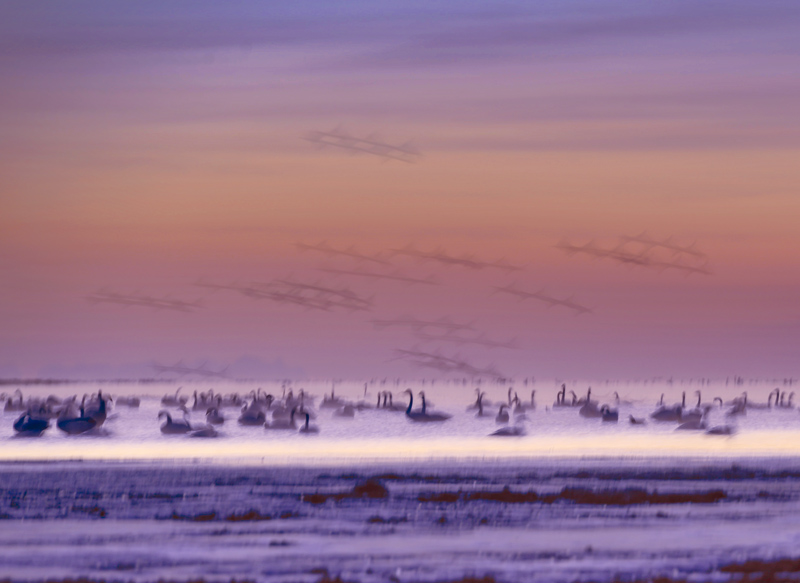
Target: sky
{"points": [[150, 147]]}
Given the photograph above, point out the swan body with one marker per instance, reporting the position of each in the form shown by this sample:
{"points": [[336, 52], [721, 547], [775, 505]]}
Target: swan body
{"points": [[561, 397], [510, 431], [76, 425], [132, 402], [73, 424], [174, 400], [619, 401], [502, 415], [348, 411], [478, 404], [423, 416], [252, 415], [721, 430], [203, 431], [590, 410], [609, 415], [213, 417], [664, 413], [332, 402], [282, 423], [18, 405], [309, 429], [26, 424], [693, 425], [171, 427], [97, 410]]}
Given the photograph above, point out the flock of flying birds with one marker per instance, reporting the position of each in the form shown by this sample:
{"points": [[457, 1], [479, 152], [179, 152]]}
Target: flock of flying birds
{"points": [[682, 258], [372, 144], [636, 251]]}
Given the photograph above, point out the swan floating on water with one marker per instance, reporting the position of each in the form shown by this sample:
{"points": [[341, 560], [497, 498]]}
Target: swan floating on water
{"points": [[609, 415], [213, 416], [422, 416], [510, 431], [203, 431], [502, 415], [308, 429], [171, 427], [30, 426], [282, 423]]}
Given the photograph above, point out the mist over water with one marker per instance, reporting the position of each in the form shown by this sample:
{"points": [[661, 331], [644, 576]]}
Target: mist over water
{"points": [[376, 433]]}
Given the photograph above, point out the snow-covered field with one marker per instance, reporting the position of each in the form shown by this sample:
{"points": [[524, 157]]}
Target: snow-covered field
{"points": [[589, 520]]}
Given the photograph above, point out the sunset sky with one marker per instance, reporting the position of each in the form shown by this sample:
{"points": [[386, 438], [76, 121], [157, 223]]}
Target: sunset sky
{"points": [[148, 146]]}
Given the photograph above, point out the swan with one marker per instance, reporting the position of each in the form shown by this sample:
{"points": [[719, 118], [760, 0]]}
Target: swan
{"points": [[519, 407], [282, 423], [693, 425], [510, 431], [561, 397], [174, 400], [391, 406], [200, 402], [19, 405], [213, 416], [696, 414], [618, 401], [478, 401], [664, 413], [738, 409], [28, 425], [721, 430], [231, 400], [634, 421], [422, 416], [777, 393], [609, 415], [480, 412], [252, 415], [583, 401], [502, 415], [695, 420], [309, 429], [589, 408], [348, 411], [786, 404], [75, 425], [132, 402], [333, 402], [173, 427], [98, 412], [203, 431]]}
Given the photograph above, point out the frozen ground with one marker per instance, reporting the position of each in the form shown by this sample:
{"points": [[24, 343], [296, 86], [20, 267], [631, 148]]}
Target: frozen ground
{"points": [[547, 520]]}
